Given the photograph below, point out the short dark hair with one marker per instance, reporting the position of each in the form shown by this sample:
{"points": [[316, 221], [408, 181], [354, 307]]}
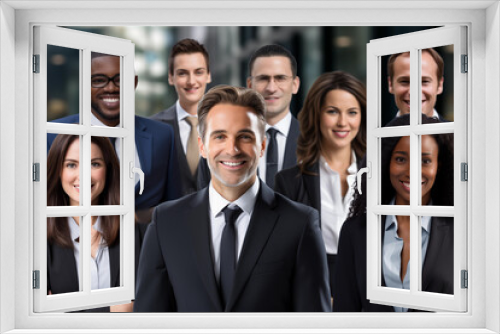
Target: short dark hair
{"points": [[187, 46], [237, 96], [273, 50], [434, 54]]}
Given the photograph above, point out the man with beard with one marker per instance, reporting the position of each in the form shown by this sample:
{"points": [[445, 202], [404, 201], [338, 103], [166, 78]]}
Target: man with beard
{"points": [[154, 141], [273, 73], [235, 246]]}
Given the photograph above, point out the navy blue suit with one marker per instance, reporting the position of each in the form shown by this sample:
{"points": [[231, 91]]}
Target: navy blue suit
{"points": [[156, 150]]}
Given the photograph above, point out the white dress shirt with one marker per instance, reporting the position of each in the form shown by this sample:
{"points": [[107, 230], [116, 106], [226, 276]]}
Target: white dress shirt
{"points": [[334, 206], [100, 272], [434, 114], [217, 220], [118, 144], [184, 126], [283, 128]]}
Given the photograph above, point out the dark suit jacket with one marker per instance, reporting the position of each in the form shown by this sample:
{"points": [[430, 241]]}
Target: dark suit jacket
{"points": [[282, 265], [188, 180], [62, 274], [155, 147], [349, 293], [289, 160]]}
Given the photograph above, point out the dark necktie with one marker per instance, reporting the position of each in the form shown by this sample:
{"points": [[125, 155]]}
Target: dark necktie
{"points": [[271, 157], [228, 252]]}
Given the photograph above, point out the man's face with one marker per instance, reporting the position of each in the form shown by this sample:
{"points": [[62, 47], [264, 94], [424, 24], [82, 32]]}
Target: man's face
{"points": [[272, 77], [190, 77], [105, 101], [400, 84], [232, 146]]}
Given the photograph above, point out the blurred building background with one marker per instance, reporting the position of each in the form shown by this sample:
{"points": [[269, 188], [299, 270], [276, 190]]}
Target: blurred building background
{"points": [[317, 49]]}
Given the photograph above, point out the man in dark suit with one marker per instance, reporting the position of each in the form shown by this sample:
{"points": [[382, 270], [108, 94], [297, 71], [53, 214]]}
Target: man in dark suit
{"points": [[189, 73], [273, 73], [154, 142], [398, 70], [234, 246]]}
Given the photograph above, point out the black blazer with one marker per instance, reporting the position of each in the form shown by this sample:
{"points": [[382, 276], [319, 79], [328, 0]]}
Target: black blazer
{"points": [[62, 274], [289, 160], [188, 180], [282, 265], [349, 293]]}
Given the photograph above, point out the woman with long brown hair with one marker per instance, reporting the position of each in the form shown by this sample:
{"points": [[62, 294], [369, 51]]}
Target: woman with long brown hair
{"points": [[332, 142], [63, 233]]}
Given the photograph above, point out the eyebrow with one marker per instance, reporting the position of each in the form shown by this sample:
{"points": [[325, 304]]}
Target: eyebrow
{"points": [[400, 152], [71, 160], [196, 69]]}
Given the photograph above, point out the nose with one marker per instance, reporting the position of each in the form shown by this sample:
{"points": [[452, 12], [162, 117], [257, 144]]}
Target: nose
{"points": [[341, 120], [111, 87], [232, 147], [190, 79], [271, 85]]}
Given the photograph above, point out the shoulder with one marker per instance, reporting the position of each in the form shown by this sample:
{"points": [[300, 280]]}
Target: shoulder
{"points": [[290, 174], [296, 210], [178, 206], [152, 126], [67, 119], [165, 115], [354, 226]]}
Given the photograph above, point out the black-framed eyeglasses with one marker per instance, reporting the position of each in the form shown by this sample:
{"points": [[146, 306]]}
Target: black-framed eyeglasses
{"points": [[101, 80], [264, 80]]}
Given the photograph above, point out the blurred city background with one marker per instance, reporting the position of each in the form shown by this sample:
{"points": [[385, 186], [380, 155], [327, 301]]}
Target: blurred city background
{"points": [[317, 50]]}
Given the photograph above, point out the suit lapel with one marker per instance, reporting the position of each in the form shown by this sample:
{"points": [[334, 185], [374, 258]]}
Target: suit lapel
{"points": [[114, 264], [199, 225], [260, 228], [439, 231], [290, 158], [312, 186], [144, 144]]}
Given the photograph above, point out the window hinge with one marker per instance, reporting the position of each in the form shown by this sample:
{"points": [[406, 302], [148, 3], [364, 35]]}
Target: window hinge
{"points": [[36, 279], [464, 171], [36, 63], [465, 279], [36, 172], [465, 64]]}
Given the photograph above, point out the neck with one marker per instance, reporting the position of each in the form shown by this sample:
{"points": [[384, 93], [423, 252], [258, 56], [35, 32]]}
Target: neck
{"points": [[107, 122], [338, 159], [190, 108], [233, 193], [273, 120], [77, 220]]}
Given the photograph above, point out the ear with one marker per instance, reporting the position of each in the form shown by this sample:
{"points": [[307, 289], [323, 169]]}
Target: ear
{"points": [[170, 80], [201, 148], [389, 83], [136, 82], [249, 82], [296, 85], [440, 86], [263, 146]]}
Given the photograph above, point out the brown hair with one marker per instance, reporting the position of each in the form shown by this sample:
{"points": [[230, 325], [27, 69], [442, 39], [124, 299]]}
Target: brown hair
{"points": [[57, 229], [273, 50], [187, 46], [237, 96], [434, 54], [309, 141]]}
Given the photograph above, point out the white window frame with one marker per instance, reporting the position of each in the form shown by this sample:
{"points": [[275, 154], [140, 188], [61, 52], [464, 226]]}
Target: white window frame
{"points": [[415, 43], [483, 20], [85, 43]]}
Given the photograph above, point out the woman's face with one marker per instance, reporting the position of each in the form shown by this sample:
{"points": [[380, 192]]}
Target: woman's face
{"points": [[340, 119], [70, 174], [400, 169]]}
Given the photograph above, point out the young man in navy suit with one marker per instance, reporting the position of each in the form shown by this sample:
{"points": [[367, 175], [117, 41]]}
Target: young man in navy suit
{"points": [[154, 141], [235, 246], [189, 73]]}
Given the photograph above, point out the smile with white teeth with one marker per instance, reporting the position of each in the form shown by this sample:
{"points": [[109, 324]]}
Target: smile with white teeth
{"points": [[232, 164], [111, 99]]}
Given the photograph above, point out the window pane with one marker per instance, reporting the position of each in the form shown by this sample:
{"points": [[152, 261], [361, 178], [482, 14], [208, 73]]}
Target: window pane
{"points": [[105, 90], [395, 86], [105, 170], [64, 262], [437, 169], [437, 251], [395, 170], [437, 82], [105, 252], [63, 170], [63, 81], [396, 251]]}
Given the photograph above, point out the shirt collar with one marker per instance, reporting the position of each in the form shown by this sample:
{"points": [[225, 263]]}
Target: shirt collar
{"points": [[74, 228], [282, 126], [181, 113], [351, 170], [246, 201], [434, 114], [391, 220]]}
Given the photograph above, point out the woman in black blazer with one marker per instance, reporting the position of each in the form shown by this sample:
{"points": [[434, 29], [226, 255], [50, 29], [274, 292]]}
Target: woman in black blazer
{"points": [[63, 189], [332, 142], [349, 290]]}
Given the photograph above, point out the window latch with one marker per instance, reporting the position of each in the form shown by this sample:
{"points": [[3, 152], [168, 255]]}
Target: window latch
{"points": [[36, 172], [359, 174], [36, 279], [36, 63], [464, 171], [134, 170], [465, 279]]}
